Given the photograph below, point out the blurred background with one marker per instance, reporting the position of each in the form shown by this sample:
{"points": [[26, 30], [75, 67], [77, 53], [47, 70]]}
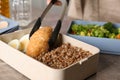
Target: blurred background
{"points": [[52, 16]]}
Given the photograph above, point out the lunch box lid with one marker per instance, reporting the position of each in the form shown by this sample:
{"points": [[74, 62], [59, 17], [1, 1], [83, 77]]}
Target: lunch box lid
{"points": [[12, 25]]}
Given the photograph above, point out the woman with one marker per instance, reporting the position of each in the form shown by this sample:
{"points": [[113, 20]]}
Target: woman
{"points": [[97, 10]]}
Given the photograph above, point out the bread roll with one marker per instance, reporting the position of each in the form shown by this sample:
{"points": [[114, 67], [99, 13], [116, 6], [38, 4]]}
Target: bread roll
{"points": [[39, 42]]}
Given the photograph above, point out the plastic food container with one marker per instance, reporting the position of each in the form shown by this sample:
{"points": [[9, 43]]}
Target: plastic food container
{"points": [[106, 45], [12, 25], [36, 70]]}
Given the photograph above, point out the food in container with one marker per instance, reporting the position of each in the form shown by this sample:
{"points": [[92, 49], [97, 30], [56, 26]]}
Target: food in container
{"points": [[63, 56], [39, 42], [24, 40], [15, 44], [37, 47], [106, 30], [20, 44], [28, 66], [99, 35]]}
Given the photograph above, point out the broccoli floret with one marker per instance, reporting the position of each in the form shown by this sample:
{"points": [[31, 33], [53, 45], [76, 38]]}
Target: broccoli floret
{"points": [[118, 30], [112, 35], [105, 32], [74, 27], [81, 28], [109, 26], [82, 33], [89, 34], [98, 33]]}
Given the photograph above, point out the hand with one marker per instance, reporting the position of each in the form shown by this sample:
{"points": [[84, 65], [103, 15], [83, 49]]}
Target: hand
{"points": [[58, 3]]}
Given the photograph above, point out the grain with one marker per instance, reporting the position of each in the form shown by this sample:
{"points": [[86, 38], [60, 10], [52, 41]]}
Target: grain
{"points": [[63, 56]]}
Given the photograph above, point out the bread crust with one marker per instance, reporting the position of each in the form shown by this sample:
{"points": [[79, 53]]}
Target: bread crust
{"points": [[39, 42]]}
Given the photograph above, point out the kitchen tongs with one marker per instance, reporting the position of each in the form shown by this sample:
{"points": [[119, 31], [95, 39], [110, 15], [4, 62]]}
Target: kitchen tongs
{"points": [[57, 27], [39, 20]]}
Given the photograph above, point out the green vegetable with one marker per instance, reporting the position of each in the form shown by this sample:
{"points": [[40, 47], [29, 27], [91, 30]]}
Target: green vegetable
{"points": [[118, 30], [83, 33], [109, 26], [112, 35], [107, 30], [75, 27]]}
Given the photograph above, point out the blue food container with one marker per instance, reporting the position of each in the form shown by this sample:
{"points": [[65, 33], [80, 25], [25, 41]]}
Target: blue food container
{"points": [[12, 25], [106, 45]]}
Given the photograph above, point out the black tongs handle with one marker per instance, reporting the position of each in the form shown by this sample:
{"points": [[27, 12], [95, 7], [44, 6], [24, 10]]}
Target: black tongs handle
{"points": [[54, 34], [39, 20], [57, 28]]}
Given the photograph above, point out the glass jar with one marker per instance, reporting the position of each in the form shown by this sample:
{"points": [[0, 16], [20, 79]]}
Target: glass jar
{"points": [[21, 11], [5, 8]]}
